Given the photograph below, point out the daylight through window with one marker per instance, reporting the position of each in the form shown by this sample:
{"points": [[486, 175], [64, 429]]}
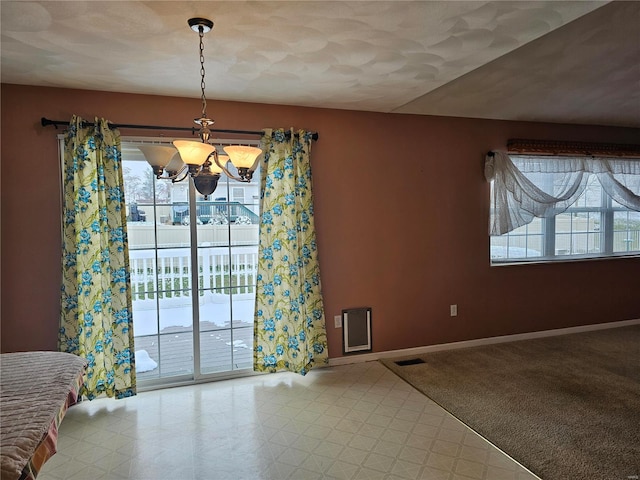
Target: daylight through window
{"points": [[562, 208], [193, 269]]}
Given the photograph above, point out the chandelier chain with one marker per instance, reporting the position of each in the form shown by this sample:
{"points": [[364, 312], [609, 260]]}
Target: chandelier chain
{"points": [[202, 84]]}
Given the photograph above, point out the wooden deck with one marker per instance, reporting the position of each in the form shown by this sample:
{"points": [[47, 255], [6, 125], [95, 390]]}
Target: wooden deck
{"points": [[221, 350]]}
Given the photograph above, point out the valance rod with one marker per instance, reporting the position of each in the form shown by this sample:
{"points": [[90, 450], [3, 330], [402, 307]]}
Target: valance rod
{"points": [[45, 122], [587, 149]]}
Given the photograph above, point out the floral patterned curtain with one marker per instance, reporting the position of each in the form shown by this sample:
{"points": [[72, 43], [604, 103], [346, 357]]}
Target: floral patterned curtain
{"points": [[96, 316], [289, 327]]}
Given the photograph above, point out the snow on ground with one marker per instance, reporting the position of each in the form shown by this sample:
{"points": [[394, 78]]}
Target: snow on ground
{"points": [[144, 363], [178, 312]]}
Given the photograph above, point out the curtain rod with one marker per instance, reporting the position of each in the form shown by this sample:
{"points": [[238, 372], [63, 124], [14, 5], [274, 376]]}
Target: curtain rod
{"points": [[46, 122], [553, 147]]}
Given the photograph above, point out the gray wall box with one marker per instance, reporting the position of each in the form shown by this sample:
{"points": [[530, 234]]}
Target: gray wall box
{"points": [[356, 326]]}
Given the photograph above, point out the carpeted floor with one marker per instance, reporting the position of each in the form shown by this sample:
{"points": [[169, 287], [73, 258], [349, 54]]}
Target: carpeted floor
{"points": [[566, 407]]}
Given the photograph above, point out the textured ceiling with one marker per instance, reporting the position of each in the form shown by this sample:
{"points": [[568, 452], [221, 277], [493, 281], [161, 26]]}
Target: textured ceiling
{"points": [[570, 62]]}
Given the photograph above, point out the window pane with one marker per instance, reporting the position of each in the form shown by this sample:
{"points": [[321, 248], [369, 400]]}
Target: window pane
{"points": [[592, 195], [176, 353], [626, 231], [523, 242], [577, 233], [147, 357], [224, 350]]}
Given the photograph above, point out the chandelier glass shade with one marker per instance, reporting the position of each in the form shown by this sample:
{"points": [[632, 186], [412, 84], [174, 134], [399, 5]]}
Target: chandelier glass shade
{"points": [[242, 156], [194, 153], [200, 160], [176, 164], [162, 158]]}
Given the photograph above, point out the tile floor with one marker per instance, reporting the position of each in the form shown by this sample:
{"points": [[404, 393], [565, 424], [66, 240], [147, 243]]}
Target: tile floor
{"points": [[355, 421]]}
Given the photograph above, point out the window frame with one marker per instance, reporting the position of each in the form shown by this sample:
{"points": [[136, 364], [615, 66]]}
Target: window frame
{"points": [[549, 232]]}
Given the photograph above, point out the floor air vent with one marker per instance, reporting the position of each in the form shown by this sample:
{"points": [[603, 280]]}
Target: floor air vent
{"points": [[413, 361]]}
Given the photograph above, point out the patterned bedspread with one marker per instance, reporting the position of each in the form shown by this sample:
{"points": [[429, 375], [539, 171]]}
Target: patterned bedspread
{"points": [[36, 388]]}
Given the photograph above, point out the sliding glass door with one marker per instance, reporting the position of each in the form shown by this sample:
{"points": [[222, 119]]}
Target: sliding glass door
{"points": [[227, 261], [193, 264]]}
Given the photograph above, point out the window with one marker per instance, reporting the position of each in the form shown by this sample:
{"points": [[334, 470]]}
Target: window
{"points": [[193, 273], [556, 209], [237, 194]]}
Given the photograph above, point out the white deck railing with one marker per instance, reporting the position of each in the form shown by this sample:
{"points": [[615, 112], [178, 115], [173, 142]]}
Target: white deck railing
{"points": [[168, 271]]}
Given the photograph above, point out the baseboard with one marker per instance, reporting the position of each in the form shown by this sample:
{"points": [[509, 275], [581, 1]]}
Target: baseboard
{"points": [[406, 352]]}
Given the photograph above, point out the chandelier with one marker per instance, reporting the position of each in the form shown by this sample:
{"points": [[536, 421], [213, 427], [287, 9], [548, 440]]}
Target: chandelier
{"points": [[201, 160]]}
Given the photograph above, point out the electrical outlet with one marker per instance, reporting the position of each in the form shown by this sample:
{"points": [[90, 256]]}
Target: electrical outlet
{"points": [[454, 310], [337, 320]]}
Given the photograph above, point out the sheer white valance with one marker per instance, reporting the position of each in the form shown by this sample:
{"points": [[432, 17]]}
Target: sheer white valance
{"points": [[544, 186]]}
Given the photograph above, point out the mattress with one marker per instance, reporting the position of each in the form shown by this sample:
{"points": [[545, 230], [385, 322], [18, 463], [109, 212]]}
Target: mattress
{"points": [[36, 388]]}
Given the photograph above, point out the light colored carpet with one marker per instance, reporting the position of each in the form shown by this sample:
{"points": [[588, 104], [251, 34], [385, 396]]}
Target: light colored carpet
{"points": [[566, 407]]}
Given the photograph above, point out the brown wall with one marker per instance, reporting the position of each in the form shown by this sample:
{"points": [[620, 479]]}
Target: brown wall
{"points": [[401, 213]]}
